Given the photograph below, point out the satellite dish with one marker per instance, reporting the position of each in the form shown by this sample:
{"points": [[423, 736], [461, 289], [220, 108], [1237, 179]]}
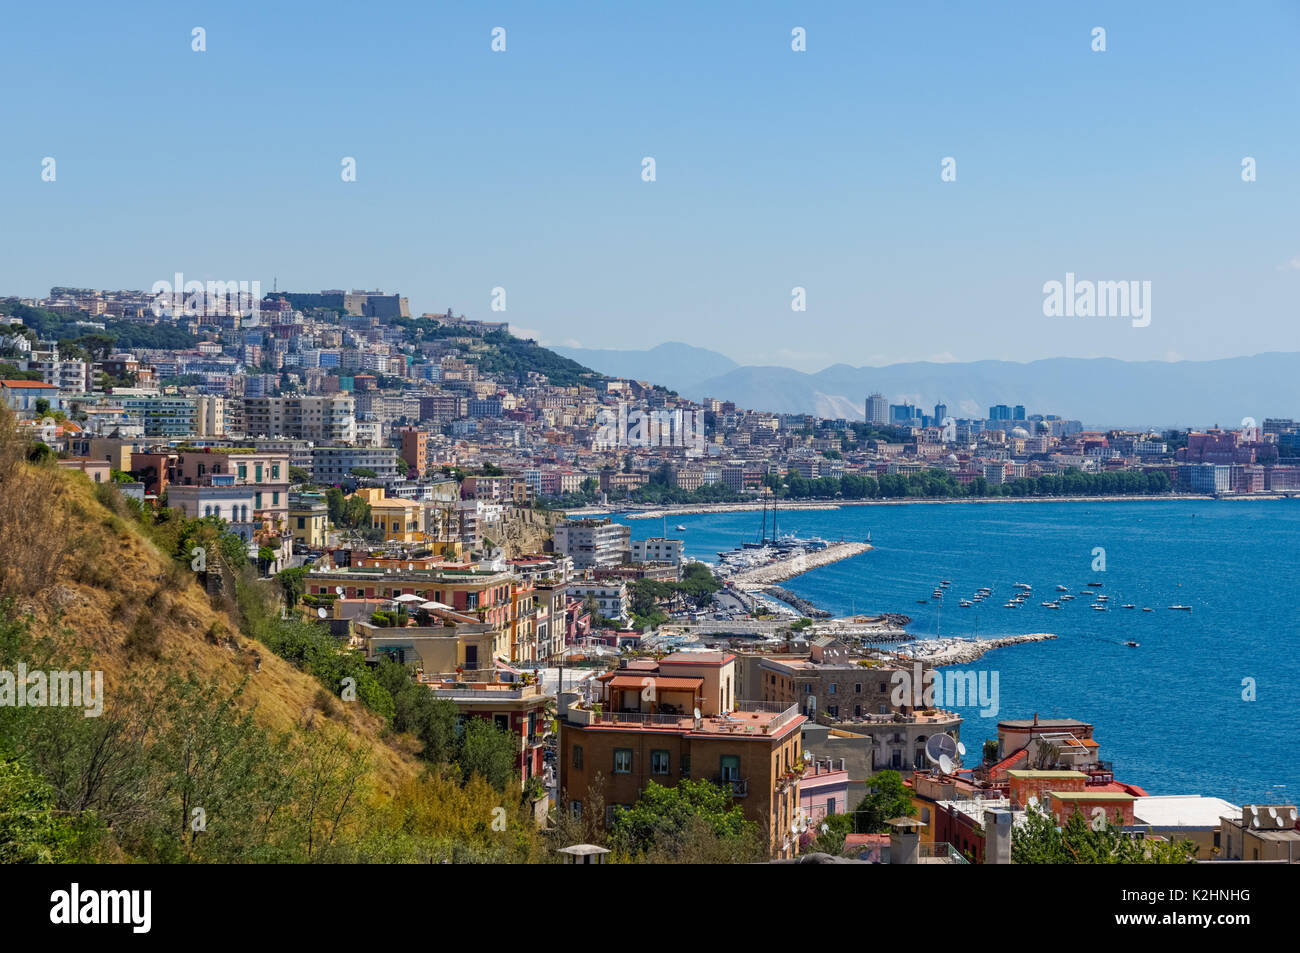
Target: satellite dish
{"points": [[1272, 812], [1293, 815], [338, 590], [410, 565], [941, 748], [961, 748], [321, 613], [1280, 822], [697, 714]]}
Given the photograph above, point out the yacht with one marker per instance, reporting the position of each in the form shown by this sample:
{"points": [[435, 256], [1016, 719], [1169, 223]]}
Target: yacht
{"points": [[1182, 608], [1025, 586], [1144, 609], [679, 528], [1131, 644], [1094, 584], [1062, 588], [965, 602], [1129, 605], [1097, 607], [1066, 598]]}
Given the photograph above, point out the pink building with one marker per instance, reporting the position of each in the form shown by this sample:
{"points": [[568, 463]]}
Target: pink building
{"points": [[824, 790]]}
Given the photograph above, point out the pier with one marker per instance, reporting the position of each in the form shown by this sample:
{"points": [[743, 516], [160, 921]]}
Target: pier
{"points": [[783, 569]]}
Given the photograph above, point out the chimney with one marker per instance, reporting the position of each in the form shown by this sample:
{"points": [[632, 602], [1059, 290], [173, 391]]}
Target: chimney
{"points": [[997, 837], [1035, 719], [904, 841]]}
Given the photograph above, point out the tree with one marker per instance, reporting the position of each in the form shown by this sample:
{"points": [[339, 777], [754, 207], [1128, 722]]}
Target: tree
{"points": [[299, 476], [1040, 841], [419, 712], [831, 840], [887, 798], [489, 752], [696, 821]]}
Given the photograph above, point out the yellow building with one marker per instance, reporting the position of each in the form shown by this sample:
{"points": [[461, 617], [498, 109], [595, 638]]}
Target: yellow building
{"points": [[308, 520], [401, 520]]}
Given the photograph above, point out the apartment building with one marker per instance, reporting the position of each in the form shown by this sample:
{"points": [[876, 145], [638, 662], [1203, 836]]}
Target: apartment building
{"points": [[657, 549], [327, 418], [162, 416], [677, 719], [335, 464], [593, 543]]}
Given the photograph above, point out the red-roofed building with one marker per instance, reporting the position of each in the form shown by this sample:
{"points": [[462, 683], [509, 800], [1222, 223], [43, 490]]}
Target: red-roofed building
{"points": [[644, 727]]}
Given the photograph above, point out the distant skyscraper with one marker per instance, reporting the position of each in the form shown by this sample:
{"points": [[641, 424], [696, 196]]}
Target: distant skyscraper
{"points": [[999, 412], [940, 412], [1019, 412], [877, 410]]}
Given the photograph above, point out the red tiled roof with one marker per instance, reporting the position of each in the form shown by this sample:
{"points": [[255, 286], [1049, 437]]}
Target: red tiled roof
{"points": [[31, 384]]}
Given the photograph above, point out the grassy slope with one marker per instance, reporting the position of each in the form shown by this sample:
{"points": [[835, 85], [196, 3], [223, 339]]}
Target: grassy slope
{"points": [[133, 611]]}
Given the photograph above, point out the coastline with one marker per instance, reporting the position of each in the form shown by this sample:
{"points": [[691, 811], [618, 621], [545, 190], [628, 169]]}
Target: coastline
{"points": [[703, 509]]}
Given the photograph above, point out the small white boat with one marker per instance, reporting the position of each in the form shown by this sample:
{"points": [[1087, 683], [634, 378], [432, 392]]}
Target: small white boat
{"points": [[1062, 589], [1129, 605], [1182, 608], [965, 602], [679, 528], [1067, 598], [1011, 605], [1097, 608], [1025, 586], [1144, 609]]}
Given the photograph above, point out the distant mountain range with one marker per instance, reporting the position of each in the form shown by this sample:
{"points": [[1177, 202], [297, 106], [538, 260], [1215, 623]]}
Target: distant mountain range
{"points": [[1101, 392]]}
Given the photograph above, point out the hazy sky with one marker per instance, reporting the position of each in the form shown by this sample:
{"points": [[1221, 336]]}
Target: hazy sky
{"points": [[774, 168]]}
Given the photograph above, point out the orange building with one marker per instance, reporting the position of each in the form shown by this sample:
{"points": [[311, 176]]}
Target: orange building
{"points": [[645, 727]]}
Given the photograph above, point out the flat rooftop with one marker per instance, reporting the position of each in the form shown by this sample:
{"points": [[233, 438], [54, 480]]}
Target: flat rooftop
{"points": [[1183, 810]]}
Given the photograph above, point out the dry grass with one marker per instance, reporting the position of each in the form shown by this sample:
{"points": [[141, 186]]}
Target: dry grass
{"points": [[81, 569]]}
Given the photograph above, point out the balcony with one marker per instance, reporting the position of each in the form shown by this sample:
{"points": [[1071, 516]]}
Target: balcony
{"points": [[736, 787]]}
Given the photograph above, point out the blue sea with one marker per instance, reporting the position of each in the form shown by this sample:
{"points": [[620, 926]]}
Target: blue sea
{"points": [[1170, 714]]}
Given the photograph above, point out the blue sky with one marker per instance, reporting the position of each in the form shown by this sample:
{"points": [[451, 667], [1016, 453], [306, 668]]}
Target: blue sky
{"points": [[775, 169]]}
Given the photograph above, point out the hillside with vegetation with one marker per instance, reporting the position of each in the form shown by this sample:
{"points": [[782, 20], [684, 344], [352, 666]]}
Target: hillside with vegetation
{"points": [[226, 734]]}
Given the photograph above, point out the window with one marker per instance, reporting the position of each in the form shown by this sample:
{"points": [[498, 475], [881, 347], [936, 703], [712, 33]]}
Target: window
{"points": [[577, 756], [832, 688], [622, 760], [502, 722], [833, 710], [659, 762], [857, 688], [686, 765], [301, 523], [730, 767], [575, 809], [830, 806], [275, 471]]}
